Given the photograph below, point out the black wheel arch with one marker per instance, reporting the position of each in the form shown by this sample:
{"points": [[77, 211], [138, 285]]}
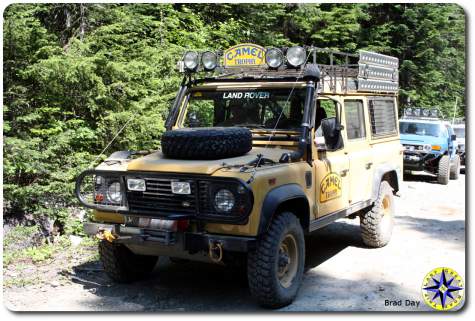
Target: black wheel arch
{"points": [[386, 172], [288, 197]]}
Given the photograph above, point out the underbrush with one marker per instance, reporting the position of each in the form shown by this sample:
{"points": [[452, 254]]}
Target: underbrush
{"points": [[25, 244]]}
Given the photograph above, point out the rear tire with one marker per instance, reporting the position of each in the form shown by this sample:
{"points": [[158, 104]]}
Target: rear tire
{"points": [[444, 170], [123, 266], [455, 168], [377, 224], [275, 267]]}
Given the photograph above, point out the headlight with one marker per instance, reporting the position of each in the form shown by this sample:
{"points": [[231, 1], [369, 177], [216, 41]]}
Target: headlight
{"points": [[296, 56], [114, 194], [224, 200], [427, 148], [191, 60], [183, 188], [136, 184], [274, 57], [209, 60]]}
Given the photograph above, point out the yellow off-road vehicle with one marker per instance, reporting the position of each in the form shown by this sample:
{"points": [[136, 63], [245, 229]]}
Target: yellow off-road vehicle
{"points": [[263, 146]]}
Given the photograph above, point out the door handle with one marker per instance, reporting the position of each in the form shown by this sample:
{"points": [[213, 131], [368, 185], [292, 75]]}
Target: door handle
{"points": [[368, 165], [343, 172]]}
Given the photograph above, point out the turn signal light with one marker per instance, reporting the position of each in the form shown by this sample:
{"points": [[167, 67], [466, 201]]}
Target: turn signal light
{"points": [[99, 197], [435, 147]]}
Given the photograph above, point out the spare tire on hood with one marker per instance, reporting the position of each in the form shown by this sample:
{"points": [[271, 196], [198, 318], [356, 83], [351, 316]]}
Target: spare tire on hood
{"points": [[206, 142]]}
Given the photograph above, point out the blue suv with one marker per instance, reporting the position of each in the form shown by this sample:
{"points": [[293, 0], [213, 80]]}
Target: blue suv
{"points": [[429, 146]]}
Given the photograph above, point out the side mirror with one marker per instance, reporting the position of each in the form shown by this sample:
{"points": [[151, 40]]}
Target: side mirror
{"points": [[453, 137], [332, 133]]}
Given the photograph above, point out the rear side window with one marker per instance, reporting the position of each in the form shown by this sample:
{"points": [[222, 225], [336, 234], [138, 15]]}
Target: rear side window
{"points": [[354, 116], [383, 117]]}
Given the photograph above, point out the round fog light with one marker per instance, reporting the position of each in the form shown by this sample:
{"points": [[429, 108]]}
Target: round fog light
{"points": [[224, 200], [274, 58], [191, 60], [209, 60], [296, 56]]}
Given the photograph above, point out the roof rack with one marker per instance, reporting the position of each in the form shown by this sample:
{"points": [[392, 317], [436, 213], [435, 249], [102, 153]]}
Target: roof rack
{"points": [[365, 71]]}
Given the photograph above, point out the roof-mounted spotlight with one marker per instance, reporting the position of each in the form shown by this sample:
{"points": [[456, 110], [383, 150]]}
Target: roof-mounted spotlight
{"points": [[274, 58], [191, 60], [296, 56], [209, 60]]}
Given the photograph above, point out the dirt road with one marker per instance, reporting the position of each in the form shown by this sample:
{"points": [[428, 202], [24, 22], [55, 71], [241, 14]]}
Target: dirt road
{"points": [[342, 275]]}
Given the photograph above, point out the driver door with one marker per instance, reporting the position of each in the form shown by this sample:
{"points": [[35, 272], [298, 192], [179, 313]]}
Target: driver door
{"points": [[331, 168]]}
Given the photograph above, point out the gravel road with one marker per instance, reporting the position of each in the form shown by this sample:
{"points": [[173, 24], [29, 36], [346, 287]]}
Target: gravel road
{"points": [[342, 275]]}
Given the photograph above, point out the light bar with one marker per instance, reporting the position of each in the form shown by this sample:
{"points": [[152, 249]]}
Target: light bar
{"points": [[422, 112], [378, 72], [377, 85], [373, 58]]}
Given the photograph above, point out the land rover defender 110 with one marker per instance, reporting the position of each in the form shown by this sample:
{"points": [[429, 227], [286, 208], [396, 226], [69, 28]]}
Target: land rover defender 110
{"points": [[263, 146]]}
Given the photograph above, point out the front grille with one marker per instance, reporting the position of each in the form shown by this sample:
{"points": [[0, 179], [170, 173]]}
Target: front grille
{"points": [[158, 198], [413, 148], [204, 192]]}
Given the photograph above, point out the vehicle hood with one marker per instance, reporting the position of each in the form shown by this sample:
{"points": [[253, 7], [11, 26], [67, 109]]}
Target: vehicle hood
{"points": [[419, 139], [157, 162]]}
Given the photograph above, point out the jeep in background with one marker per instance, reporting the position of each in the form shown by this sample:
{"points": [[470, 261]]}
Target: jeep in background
{"points": [[263, 146], [429, 144], [459, 130]]}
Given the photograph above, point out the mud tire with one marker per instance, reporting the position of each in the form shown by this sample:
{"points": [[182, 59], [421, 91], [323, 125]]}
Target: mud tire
{"points": [[455, 168], [443, 172], [206, 143], [262, 264], [377, 223], [123, 266]]}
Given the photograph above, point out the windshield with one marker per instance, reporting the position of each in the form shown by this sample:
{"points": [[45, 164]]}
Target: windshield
{"points": [[423, 129], [253, 108], [459, 132]]}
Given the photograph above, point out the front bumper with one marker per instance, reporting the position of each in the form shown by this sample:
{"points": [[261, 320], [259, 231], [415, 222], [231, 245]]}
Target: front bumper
{"points": [[417, 161], [178, 241]]}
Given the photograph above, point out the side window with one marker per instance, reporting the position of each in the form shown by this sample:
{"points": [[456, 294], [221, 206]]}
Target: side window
{"points": [[445, 131], [354, 115], [383, 117], [325, 108]]}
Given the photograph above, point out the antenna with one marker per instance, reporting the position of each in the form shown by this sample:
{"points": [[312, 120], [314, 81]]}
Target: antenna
{"points": [[455, 110]]}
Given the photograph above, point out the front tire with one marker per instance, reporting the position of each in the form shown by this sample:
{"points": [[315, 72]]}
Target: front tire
{"points": [[377, 224], [123, 266], [275, 267], [455, 168], [443, 170]]}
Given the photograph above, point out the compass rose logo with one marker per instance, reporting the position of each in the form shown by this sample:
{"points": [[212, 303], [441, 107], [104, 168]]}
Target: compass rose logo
{"points": [[442, 289]]}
